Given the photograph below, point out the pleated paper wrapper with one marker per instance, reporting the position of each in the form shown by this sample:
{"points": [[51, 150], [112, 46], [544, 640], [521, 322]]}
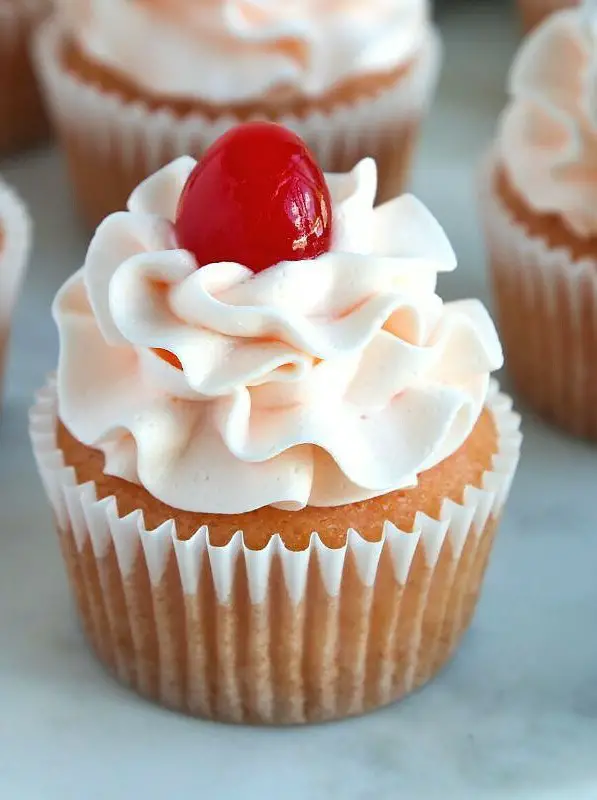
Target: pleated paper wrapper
{"points": [[546, 306], [23, 121], [15, 242], [112, 144], [533, 12], [273, 636]]}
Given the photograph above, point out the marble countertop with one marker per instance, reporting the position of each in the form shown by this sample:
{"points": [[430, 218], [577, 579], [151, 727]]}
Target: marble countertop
{"points": [[515, 713]]}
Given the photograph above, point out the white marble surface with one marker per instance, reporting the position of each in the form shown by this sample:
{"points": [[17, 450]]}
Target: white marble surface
{"points": [[515, 714]]}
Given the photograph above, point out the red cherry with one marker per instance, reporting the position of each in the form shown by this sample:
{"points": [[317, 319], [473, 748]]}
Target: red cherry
{"points": [[257, 197]]}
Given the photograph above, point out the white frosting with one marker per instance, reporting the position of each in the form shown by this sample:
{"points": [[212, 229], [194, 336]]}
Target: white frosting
{"points": [[318, 382], [226, 51], [548, 133]]}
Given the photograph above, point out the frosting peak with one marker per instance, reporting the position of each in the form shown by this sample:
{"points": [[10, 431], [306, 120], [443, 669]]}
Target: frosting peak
{"points": [[225, 51], [318, 382], [548, 133]]}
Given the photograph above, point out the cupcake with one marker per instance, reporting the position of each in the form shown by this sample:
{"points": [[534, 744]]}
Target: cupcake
{"points": [[277, 463], [22, 118], [353, 79], [14, 249], [540, 209], [533, 12]]}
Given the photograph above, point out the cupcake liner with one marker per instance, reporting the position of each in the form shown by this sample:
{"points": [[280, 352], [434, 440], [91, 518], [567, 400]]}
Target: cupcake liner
{"points": [[273, 636], [546, 306], [22, 118], [112, 144], [533, 12], [15, 240]]}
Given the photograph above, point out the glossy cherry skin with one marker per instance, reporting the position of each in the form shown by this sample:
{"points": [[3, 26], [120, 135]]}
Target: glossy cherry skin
{"points": [[257, 197]]}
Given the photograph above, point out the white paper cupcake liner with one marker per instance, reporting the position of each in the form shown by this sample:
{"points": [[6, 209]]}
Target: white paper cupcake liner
{"points": [[15, 242], [273, 636], [547, 313], [131, 141]]}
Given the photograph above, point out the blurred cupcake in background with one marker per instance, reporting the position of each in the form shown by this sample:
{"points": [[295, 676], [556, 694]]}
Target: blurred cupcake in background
{"points": [[540, 208], [533, 12], [23, 120], [134, 84], [14, 250]]}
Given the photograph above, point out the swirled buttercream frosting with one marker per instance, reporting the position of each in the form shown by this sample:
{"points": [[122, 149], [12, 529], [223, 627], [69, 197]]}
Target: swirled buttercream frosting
{"points": [[317, 382], [547, 140], [227, 51]]}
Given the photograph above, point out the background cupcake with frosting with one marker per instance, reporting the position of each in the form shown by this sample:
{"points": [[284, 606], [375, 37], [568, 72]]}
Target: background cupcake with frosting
{"points": [[132, 85], [23, 120], [540, 208], [277, 462]]}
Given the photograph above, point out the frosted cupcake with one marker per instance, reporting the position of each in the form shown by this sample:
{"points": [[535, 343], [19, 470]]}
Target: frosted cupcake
{"points": [[540, 201], [14, 249], [533, 12], [277, 462], [353, 78], [22, 118]]}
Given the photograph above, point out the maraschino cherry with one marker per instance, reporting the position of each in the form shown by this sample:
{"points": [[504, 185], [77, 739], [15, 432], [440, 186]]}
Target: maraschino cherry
{"points": [[257, 197]]}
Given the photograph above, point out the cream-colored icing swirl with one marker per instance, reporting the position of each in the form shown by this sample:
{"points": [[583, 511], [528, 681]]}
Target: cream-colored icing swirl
{"points": [[224, 51], [548, 133], [318, 382]]}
